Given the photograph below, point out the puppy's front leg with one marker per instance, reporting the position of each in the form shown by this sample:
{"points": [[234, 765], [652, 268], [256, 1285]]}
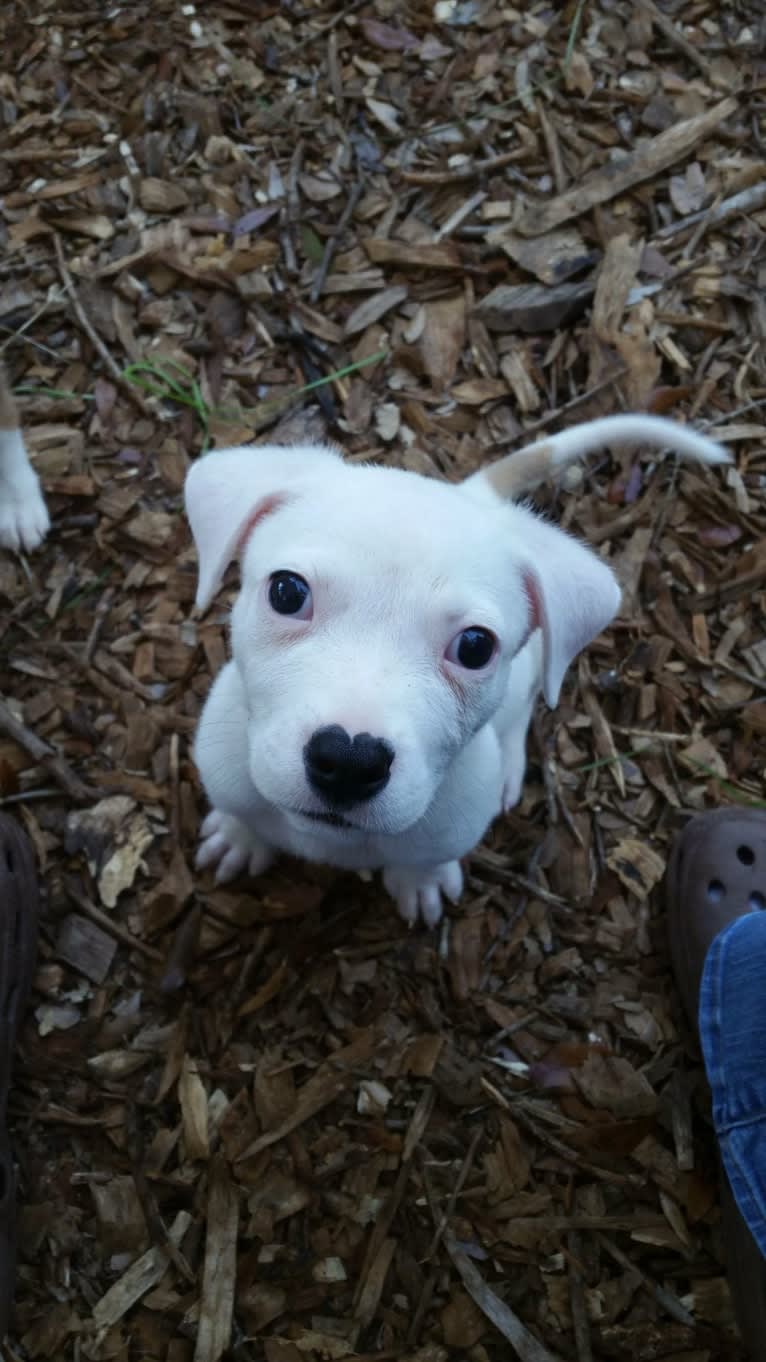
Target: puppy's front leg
{"points": [[417, 889], [24, 519], [512, 721], [229, 836]]}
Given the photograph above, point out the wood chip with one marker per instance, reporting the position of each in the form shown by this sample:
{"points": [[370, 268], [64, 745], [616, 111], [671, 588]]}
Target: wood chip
{"points": [[145, 1273], [530, 307], [220, 1266], [372, 309]]}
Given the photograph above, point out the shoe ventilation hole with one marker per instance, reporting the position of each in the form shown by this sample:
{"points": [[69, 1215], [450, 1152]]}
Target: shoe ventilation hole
{"points": [[756, 902], [716, 891], [746, 855], [9, 861]]}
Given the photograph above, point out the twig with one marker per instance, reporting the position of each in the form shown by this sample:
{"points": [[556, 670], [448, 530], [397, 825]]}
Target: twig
{"points": [[747, 201], [102, 610], [756, 405], [554, 793], [563, 410], [110, 925], [494, 871], [460, 173], [92, 334], [332, 241], [572, 38], [466, 208], [14, 333], [292, 209], [415, 1131], [624, 520], [47, 756], [327, 27], [664, 1298], [668, 30], [608, 182], [496, 1310], [546, 763], [580, 1322], [440, 1230], [27, 796], [174, 780], [690, 248], [519, 1113], [155, 1223]]}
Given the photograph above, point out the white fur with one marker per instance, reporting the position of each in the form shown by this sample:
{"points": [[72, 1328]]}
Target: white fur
{"points": [[398, 565], [24, 519]]}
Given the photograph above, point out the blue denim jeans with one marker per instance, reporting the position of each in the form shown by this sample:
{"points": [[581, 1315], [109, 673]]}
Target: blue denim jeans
{"points": [[732, 1023]]}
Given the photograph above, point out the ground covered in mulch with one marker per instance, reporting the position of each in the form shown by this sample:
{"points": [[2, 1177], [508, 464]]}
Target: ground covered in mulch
{"points": [[267, 1121]]}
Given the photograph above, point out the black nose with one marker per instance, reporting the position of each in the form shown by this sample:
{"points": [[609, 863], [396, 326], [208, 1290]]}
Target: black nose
{"points": [[345, 770]]}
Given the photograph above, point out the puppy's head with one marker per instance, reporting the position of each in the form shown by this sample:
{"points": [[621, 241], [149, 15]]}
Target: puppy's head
{"points": [[378, 617]]}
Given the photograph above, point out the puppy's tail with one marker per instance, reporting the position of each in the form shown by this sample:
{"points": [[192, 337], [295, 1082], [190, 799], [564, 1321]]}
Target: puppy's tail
{"points": [[518, 473], [9, 415]]}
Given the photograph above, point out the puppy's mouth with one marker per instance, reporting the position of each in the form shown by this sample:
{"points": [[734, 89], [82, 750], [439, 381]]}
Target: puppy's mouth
{"points": [[330, 820]]}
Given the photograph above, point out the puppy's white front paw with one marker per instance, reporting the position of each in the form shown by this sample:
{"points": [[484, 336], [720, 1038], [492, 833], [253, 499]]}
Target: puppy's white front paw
{"points": [[512, 790], [418, 890], [24, 520], [227, 843], [515, 766]]}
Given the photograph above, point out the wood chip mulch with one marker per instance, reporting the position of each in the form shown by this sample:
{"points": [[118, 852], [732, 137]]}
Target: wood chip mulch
{"points": [[266, 1122]]}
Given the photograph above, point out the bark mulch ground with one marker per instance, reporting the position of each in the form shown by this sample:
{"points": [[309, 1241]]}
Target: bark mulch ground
{"points": [[266, 1121]]}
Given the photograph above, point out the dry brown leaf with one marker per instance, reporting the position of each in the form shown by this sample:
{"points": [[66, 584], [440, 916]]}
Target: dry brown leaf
{"points": [[114, 835], [611, 1083]]}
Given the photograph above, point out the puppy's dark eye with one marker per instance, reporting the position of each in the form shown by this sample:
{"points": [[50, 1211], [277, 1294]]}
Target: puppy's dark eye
{"points": [[473, 649], [290, 594]]}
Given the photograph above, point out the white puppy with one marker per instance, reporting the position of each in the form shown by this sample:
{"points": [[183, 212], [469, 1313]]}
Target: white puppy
{"points": [[24, 520], [389, 641]]}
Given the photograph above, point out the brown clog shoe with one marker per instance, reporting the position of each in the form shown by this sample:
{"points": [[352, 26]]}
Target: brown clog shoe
{"points": [[18, 946], [716, 874]]}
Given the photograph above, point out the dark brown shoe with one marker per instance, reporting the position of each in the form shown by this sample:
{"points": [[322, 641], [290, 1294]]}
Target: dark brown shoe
{"points": [[18, 947], [717, 873]]}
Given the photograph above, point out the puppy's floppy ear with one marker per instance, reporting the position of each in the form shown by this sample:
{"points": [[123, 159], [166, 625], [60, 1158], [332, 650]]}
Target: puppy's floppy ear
{"points": [[229, 490], [573, 595]]}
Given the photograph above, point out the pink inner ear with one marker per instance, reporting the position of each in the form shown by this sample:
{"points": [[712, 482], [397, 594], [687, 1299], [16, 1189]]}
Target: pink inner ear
{"points": [[262, 510], [535, 602]]}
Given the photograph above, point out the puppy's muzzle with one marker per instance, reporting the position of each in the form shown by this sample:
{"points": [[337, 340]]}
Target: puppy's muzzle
{"points": [[343, 770]]}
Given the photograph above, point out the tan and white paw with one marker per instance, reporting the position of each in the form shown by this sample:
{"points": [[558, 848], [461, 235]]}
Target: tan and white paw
{"points": [[231, 847], [418, 891]]}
